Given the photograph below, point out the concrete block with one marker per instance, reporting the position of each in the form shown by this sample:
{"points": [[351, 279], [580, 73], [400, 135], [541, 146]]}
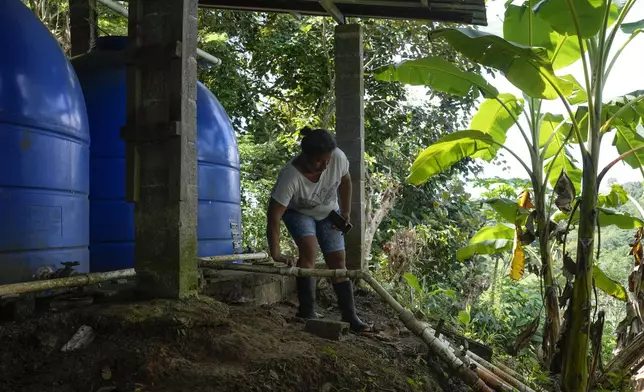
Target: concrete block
{"points": [[328, 329], [235, 286]]}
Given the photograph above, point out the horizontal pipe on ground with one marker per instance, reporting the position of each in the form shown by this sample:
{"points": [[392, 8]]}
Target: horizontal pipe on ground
{"points": [[281, 270], [123, 11], [98, 277], [235, 257], [70, 281]]}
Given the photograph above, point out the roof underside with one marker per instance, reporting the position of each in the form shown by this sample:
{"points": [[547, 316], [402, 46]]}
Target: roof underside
{"points": [[459, 11]]}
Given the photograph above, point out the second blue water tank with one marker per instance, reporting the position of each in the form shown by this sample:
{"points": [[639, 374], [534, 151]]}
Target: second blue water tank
{"points": [[102, 76]]}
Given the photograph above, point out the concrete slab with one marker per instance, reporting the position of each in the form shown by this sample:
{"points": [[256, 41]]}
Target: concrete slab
{"points": [[328, 329], [240, 287]]}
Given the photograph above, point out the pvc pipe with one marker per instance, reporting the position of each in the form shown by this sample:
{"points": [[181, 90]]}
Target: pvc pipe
{"points": [[71, 281], [123, 11]]}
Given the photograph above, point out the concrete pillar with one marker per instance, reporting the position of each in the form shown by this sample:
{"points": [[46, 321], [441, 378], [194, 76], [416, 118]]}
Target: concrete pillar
{"points": [[161, 152], [349, 128], [83, 25]]}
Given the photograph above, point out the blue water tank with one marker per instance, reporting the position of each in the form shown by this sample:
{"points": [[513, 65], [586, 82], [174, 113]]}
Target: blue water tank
{"points": [[102, 76], [44, 151]]}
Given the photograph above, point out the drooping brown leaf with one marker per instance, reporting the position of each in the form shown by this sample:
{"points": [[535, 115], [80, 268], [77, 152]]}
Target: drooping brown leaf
{"points": [[525, 200], [518, 257], [636, 247], [621, 333], [529, 224], [596, 331], [551, 325], [527, 237], [566, 295], [523, 339], [565, 191], [557, 231], [569, 265]]}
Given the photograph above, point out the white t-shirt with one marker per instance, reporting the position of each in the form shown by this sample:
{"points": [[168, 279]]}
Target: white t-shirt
{"points": [[315, 199]]}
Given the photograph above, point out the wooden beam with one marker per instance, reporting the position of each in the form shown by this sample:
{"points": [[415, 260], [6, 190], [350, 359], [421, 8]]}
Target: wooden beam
{"points": [[466, 11], [330, 7]]}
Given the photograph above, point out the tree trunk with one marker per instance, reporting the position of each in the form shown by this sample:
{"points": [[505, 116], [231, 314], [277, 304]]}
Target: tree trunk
{"points": [[575, 364], [374, 217], [553, 321]]}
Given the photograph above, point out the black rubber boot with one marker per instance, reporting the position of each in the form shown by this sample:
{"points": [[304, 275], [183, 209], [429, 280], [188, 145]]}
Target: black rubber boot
{"points": [[306, 297], [344, 291]]}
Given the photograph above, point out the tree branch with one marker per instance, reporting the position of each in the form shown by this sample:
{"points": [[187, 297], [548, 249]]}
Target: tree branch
{"points": [[605, 170]]}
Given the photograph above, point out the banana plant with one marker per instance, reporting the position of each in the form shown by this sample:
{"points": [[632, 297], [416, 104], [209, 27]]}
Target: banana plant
{"points": [[551, 35]]}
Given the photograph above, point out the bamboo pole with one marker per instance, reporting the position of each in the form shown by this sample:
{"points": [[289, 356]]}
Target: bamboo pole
{"points": [[509, 371], [235, 257], [491, 378], [628, 361], [505, 373], [436, 346], [71, 281], [505, 376], [97, 277], [282, 270]]}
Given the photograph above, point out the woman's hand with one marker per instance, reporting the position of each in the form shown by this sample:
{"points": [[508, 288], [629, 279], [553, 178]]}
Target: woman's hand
{"points": [[346, 217], [288, 260]]}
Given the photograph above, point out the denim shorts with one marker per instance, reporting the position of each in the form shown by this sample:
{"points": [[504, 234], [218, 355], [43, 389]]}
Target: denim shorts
{"points": [[299, 225]]}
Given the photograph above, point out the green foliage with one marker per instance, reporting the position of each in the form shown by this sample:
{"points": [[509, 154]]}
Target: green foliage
{"points": [[633, 27], [590, 15], [464, 316], [495, 117], [529, 69], [438, 73], [566, 163], [446, 152], [523, 28], [488, 240], [484, 247], [508, 210], [608, 285]]}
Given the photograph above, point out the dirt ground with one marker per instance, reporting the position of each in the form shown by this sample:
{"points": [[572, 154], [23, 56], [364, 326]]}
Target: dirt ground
{"points": [[204, 345]]}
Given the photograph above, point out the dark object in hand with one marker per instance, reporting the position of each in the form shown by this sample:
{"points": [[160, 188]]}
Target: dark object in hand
{"points": [[339, 222]]}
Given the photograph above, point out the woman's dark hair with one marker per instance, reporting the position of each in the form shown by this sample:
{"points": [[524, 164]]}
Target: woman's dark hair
{"points": [[317, 141]]}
